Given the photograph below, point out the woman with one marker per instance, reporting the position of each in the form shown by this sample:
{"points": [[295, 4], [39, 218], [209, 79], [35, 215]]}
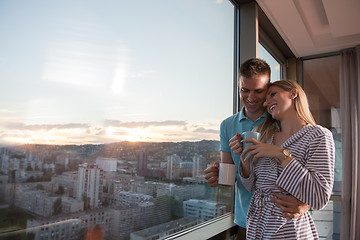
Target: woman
{"points": [[294, 154]]}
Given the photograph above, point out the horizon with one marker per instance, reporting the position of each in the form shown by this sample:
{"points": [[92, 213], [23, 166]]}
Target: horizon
{"points": [[138, 142]]}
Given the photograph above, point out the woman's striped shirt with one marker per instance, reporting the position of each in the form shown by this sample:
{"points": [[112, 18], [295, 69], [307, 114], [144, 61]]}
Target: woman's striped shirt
{"points": [[308, 177]]}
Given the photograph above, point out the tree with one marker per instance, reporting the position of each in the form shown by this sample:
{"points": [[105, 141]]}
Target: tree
{"points": [[31, 179], [59, 169], [47, 176], [60, 190], [162, 210], [12, 176], [40, 187], [177, 209], [29, 168], [20, 236], [82, 234], [57, 206], [86, 201]]}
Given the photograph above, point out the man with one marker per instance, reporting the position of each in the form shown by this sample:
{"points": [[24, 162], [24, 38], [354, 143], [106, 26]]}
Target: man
{"points": [[253, 82]]}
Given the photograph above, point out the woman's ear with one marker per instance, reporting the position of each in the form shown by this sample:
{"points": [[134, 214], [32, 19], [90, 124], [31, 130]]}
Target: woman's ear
{"points": [[293, 93]]}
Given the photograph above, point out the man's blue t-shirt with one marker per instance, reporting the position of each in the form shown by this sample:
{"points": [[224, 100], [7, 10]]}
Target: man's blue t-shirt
{"points": [[238, 123]]}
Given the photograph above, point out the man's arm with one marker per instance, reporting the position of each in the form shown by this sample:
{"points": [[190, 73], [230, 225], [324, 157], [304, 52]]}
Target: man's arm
{"points": [[290, 205], [226, 157], [212, 172]]}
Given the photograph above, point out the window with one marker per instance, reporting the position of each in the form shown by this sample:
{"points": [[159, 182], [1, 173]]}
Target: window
{"points": [[273, 63], [321, 84], [131, 92]]}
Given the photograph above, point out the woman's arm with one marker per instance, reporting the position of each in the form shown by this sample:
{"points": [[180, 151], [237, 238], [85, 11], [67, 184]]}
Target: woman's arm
{"points": [[247, 175], [312, 183]]}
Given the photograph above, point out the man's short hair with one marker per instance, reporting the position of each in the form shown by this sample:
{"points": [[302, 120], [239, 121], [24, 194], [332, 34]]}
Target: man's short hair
{"points": [[254, 67]]}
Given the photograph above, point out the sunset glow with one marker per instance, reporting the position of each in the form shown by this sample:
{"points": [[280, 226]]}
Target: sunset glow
{"points": [[50, 134]]}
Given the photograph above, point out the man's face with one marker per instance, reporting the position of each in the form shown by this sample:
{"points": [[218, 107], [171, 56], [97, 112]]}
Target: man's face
{"points": [[253, 93]]}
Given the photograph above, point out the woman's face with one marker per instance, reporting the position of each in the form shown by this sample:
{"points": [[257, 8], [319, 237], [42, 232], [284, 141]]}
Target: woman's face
{"points": [[279, 102]]}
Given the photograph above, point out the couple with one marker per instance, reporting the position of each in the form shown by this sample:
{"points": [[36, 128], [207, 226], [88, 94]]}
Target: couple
{"points": [[292, 166]]}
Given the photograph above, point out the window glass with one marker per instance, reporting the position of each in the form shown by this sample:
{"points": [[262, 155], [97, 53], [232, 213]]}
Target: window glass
{"points": [[273, 63], [321, 84], [109, 113]]}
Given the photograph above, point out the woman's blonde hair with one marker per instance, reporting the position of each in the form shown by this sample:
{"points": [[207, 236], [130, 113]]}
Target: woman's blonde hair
{"points": [[271, 125]]}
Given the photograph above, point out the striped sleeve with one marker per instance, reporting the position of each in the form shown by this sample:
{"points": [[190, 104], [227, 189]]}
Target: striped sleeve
{"points": [[312, 183], [249, 182]]}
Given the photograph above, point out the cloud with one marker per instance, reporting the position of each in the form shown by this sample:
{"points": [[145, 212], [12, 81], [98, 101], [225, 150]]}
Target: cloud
{"points": [[97, 131], [109, 131], [121, 133], [5, 111], [15, 135], [37, 127], [204, 130], [117, 123]]}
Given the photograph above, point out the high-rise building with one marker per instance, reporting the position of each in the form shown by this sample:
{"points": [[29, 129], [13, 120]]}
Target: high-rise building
{"points": [[142, 163], [4, 163], [90, 183]]}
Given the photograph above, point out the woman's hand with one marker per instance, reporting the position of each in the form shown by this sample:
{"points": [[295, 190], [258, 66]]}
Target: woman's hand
{"points": [[260, 149], [235, 144]]}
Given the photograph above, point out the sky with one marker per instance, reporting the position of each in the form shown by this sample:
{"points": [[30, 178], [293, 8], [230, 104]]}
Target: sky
{"points": [[92, 72]]}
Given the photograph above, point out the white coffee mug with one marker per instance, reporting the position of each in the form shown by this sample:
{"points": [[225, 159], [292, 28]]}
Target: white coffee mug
{"points": [[227, 174], [247, 135]]}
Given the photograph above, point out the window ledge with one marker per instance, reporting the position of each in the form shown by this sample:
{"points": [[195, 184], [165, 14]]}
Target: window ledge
{"points": [[208, 230]]}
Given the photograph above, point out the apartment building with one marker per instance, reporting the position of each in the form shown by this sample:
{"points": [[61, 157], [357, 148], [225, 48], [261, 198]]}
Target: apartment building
{"points": [[203, 209], [90, 183], [70, 226]]}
